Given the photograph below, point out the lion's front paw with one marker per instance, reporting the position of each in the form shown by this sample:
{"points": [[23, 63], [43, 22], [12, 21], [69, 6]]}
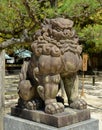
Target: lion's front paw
{"points": [[31, 105], [79, 104], [54, 108]]}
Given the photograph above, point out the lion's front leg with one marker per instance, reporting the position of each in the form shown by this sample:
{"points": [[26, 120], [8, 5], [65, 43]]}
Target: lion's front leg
{"points": [[71, 85], [50, 90]]}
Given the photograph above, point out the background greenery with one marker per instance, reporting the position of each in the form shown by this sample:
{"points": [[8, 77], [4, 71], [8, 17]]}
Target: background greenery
{"points": [[22, 18]]}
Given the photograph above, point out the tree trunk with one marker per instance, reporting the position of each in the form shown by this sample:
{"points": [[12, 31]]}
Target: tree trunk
{"points": [[53, 3], [2, 75]]}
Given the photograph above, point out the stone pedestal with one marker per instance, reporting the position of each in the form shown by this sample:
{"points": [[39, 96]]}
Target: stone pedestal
{"points": [[15, 123], [68, 117]]}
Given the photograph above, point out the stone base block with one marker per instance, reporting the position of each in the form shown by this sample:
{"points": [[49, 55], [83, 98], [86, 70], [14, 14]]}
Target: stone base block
{"points": [[15, 123], [68, 117]]}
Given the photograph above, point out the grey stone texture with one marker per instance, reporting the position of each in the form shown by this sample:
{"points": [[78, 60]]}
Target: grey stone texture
{"points": [[2, 75], [15, 123], [68, 117]]}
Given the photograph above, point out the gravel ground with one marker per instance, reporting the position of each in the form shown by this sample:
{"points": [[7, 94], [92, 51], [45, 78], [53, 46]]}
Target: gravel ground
{"points": [[93, 97], [92, 94]]}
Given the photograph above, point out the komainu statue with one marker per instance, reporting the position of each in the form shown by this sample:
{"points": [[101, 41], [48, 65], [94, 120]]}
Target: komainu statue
{"points": [[55, 59]]}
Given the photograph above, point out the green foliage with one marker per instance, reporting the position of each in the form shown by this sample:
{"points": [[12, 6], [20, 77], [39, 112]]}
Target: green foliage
{"points": [[18, 15], [9, 15], [15, 17], [92, 36], [79, 11], [72, 7], [97, 17]]}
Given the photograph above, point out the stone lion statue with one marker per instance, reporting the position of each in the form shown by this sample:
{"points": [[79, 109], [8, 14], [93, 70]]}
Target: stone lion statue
{"points": [[55, 59]]}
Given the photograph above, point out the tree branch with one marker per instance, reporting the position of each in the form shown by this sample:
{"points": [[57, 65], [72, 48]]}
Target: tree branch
{"points": [[24, 38], [29, 10]]}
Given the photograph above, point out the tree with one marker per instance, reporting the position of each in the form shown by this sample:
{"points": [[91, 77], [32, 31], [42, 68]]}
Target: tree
{"points": [[21, 19], [92, 38]]}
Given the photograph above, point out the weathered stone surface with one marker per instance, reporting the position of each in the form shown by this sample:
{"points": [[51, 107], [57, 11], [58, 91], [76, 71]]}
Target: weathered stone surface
{"points": [[15, 123], [56, 58], [2, 74], [68, 117]]}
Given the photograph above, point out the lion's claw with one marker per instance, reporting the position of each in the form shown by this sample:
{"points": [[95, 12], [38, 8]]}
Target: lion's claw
{"points": [[54, 108], [31, 105], [79, 104]]}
